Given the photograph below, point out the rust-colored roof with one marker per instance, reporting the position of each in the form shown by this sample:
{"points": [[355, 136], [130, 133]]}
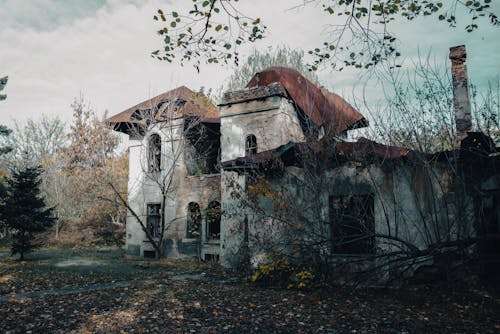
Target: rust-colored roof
{"points": [[195, 104], [320, 105], [363, 150]]}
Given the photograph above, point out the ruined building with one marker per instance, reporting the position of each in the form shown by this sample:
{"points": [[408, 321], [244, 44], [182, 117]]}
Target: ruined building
{"points": [[270, 170]]}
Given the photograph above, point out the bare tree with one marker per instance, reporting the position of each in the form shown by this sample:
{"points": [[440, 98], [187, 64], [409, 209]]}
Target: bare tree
{"points": [[258, 61], [170, 142], [418, 110], [37, 140]]}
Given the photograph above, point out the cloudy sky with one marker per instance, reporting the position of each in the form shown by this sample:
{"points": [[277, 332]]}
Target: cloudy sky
{"points": [[56, 50]]}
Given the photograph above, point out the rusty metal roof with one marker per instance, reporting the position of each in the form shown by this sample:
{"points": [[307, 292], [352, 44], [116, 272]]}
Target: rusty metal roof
{"points": [[320, 105], [363, 150], [192, 104]]}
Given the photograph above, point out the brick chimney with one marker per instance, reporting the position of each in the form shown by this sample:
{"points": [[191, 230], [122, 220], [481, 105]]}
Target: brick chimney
{"points": [[461, 99]]}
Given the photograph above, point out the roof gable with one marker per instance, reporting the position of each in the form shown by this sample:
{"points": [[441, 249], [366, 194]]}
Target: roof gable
{"points": [[187, 103]]}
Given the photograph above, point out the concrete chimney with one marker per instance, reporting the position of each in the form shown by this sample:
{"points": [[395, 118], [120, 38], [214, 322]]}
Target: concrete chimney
{"points": [[461, 99]]}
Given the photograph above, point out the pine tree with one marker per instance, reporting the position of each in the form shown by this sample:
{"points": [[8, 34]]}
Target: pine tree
{"points": [[24, 210]]}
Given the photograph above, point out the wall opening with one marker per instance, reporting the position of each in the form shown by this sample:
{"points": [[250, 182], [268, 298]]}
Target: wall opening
{"points": [[153, 219], [154, 153], [202, 151], [149, 254], [250, 145], [212, 257], [352, 224], [213, 220], [193, 228]]}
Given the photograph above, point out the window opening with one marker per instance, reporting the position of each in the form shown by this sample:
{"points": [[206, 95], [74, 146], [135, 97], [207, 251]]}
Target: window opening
{"points": [[352, 224], [153, 219], [149, 254], [251, 145], [154, 153], [213, 220], [193, 220]]}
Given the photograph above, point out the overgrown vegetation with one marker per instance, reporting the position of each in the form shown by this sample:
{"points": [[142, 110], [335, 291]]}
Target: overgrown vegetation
{"points": [[76, 164], [317, 215]]}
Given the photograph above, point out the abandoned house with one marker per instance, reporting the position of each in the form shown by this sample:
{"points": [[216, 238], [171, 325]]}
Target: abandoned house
{"points": [[271, 165]]}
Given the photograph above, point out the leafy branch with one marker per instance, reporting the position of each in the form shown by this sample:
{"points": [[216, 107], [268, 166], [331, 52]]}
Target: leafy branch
{"points": [[212, 28]]}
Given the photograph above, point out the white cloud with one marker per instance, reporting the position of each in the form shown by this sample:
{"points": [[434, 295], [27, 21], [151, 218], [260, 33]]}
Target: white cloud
{"points": [[54, 50]]}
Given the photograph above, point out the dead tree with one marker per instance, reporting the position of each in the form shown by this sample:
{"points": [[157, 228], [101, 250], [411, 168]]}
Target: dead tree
{"points": [[172, 142]]}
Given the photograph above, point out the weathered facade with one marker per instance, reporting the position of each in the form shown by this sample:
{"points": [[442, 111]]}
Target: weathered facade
{"points": [[169, 176], [271, 167]]}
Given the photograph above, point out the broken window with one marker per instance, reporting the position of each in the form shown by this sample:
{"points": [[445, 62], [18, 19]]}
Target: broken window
{"points": [[193, 220], [153, 219], [213, 220], [352, 224], [202, 153], [251, 145], [154, 151]]}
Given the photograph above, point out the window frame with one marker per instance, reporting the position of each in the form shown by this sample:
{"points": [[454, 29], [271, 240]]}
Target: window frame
{"points": [[153, 227], [154, 153], [251, 145]]}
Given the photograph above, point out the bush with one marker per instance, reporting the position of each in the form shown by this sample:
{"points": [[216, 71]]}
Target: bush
{"points": [[278, 270]]}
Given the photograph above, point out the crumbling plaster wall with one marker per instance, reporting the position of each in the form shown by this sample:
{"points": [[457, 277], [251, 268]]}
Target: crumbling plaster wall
{"points": [[411, 202], [274, 122], [143, 189], [414, 203]]}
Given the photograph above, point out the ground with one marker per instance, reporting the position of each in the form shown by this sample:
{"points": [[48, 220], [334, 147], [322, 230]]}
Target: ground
{"points": [[99, 291]]}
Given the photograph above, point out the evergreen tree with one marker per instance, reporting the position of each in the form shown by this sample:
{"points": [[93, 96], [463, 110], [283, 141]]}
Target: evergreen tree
{"points": [[24, 210]]}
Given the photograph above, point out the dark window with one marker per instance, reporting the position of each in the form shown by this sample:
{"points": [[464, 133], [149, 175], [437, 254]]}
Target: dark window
{"points": [[149, 254], [352, 224], [193, 220], [212, 257], [154, 151], [213, 220], [153, 219], [251, 145], [203, 146]]}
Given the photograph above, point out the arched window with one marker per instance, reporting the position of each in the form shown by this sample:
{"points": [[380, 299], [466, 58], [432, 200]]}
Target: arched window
{"points": [[213, 220], [154, 153], [193, 220], [251, 145]]}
